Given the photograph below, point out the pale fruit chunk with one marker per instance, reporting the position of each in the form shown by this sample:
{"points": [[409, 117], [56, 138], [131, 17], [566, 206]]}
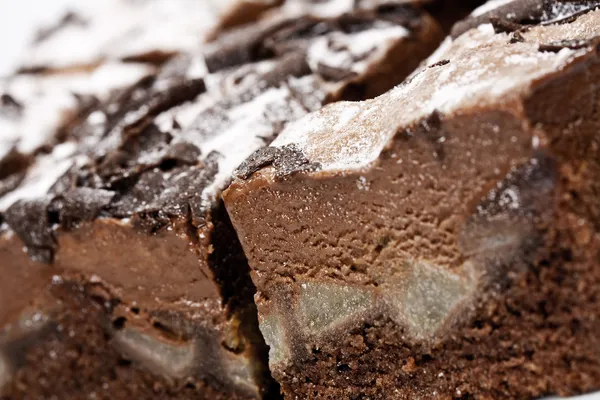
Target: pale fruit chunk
{"points": [[175, 360], [5, 371], [239, 369], [324, 306], [426, 297], [273, 331], [430, 296]]}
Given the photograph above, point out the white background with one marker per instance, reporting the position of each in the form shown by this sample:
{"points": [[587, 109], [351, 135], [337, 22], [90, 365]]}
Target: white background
{"points": [[18, 20]]}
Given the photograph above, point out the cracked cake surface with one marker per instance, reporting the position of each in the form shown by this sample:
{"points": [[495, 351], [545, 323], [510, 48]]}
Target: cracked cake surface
{"points": [[443, 242]]}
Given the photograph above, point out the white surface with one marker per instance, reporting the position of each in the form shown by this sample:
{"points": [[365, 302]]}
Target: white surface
{"points": [[18, 19], [18, 22]]}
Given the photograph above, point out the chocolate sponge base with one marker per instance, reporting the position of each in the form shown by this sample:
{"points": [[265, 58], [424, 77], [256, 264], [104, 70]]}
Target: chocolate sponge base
{"points": [[537, 337], [74, 356]]}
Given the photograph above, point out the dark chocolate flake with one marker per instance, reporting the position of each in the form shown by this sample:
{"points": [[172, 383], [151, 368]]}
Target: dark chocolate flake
{"points": [[80, 204], [257, 160], [292, 160], [334, 74], [184, 152], [523, 12], [439, 63], [557, 46], [502, 25], [30, 221], [11, 182], [285, 160]]}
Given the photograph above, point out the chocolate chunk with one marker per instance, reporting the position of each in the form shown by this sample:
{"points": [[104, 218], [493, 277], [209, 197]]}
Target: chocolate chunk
{"points": [[157, 102], [166, 194], [503, 25], [335, 74], [11, 182], [259, 159], [291, 65], [80, 204], [31, 222], [285, 160], [291, 160], [242, 46], [508, 17], [562, 44], [522, 12], [184, 152]]}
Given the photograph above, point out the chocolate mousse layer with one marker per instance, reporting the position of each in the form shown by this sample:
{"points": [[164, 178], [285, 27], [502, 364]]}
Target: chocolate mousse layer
{"points": [[128, 278], [441, 240]]}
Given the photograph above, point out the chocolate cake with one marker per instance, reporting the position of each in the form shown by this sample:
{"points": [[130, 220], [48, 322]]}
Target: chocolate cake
{"points": [[442, 240], [122, 275]]}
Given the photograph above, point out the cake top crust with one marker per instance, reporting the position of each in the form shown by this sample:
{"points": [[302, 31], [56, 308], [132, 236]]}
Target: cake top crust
{"points": [[480, 69]]}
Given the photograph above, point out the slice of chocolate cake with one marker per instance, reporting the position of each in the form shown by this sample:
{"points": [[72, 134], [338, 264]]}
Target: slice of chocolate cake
{"points": [[126, 278], [441, 240]]}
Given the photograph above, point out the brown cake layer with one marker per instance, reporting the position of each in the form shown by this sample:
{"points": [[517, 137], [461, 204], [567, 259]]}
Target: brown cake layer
{"points": [[441, 240], [127, 277]]}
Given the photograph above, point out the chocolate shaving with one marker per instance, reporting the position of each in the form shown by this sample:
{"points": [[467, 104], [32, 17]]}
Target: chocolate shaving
{"points": [[507, 18], [11, 182], [158, 195], [30, 220], [573, 44], [241, 46], [439, 63], [80, 204], [523, 12], [286, 160], [334, 74], [257, 160], [504, 26]]}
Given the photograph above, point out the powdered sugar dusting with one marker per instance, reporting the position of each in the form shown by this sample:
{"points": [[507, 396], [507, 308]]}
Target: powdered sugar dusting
{"points": [[352, 134], [48, 100], [42, 175], [113, 29], [249, 126], [483, 70], [327, 9], [560, 10], [354, 52], [490, 6]]}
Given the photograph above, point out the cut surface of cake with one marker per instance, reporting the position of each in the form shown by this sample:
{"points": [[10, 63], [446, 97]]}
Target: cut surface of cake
{"points": [[124, 276], [441, 240]]}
